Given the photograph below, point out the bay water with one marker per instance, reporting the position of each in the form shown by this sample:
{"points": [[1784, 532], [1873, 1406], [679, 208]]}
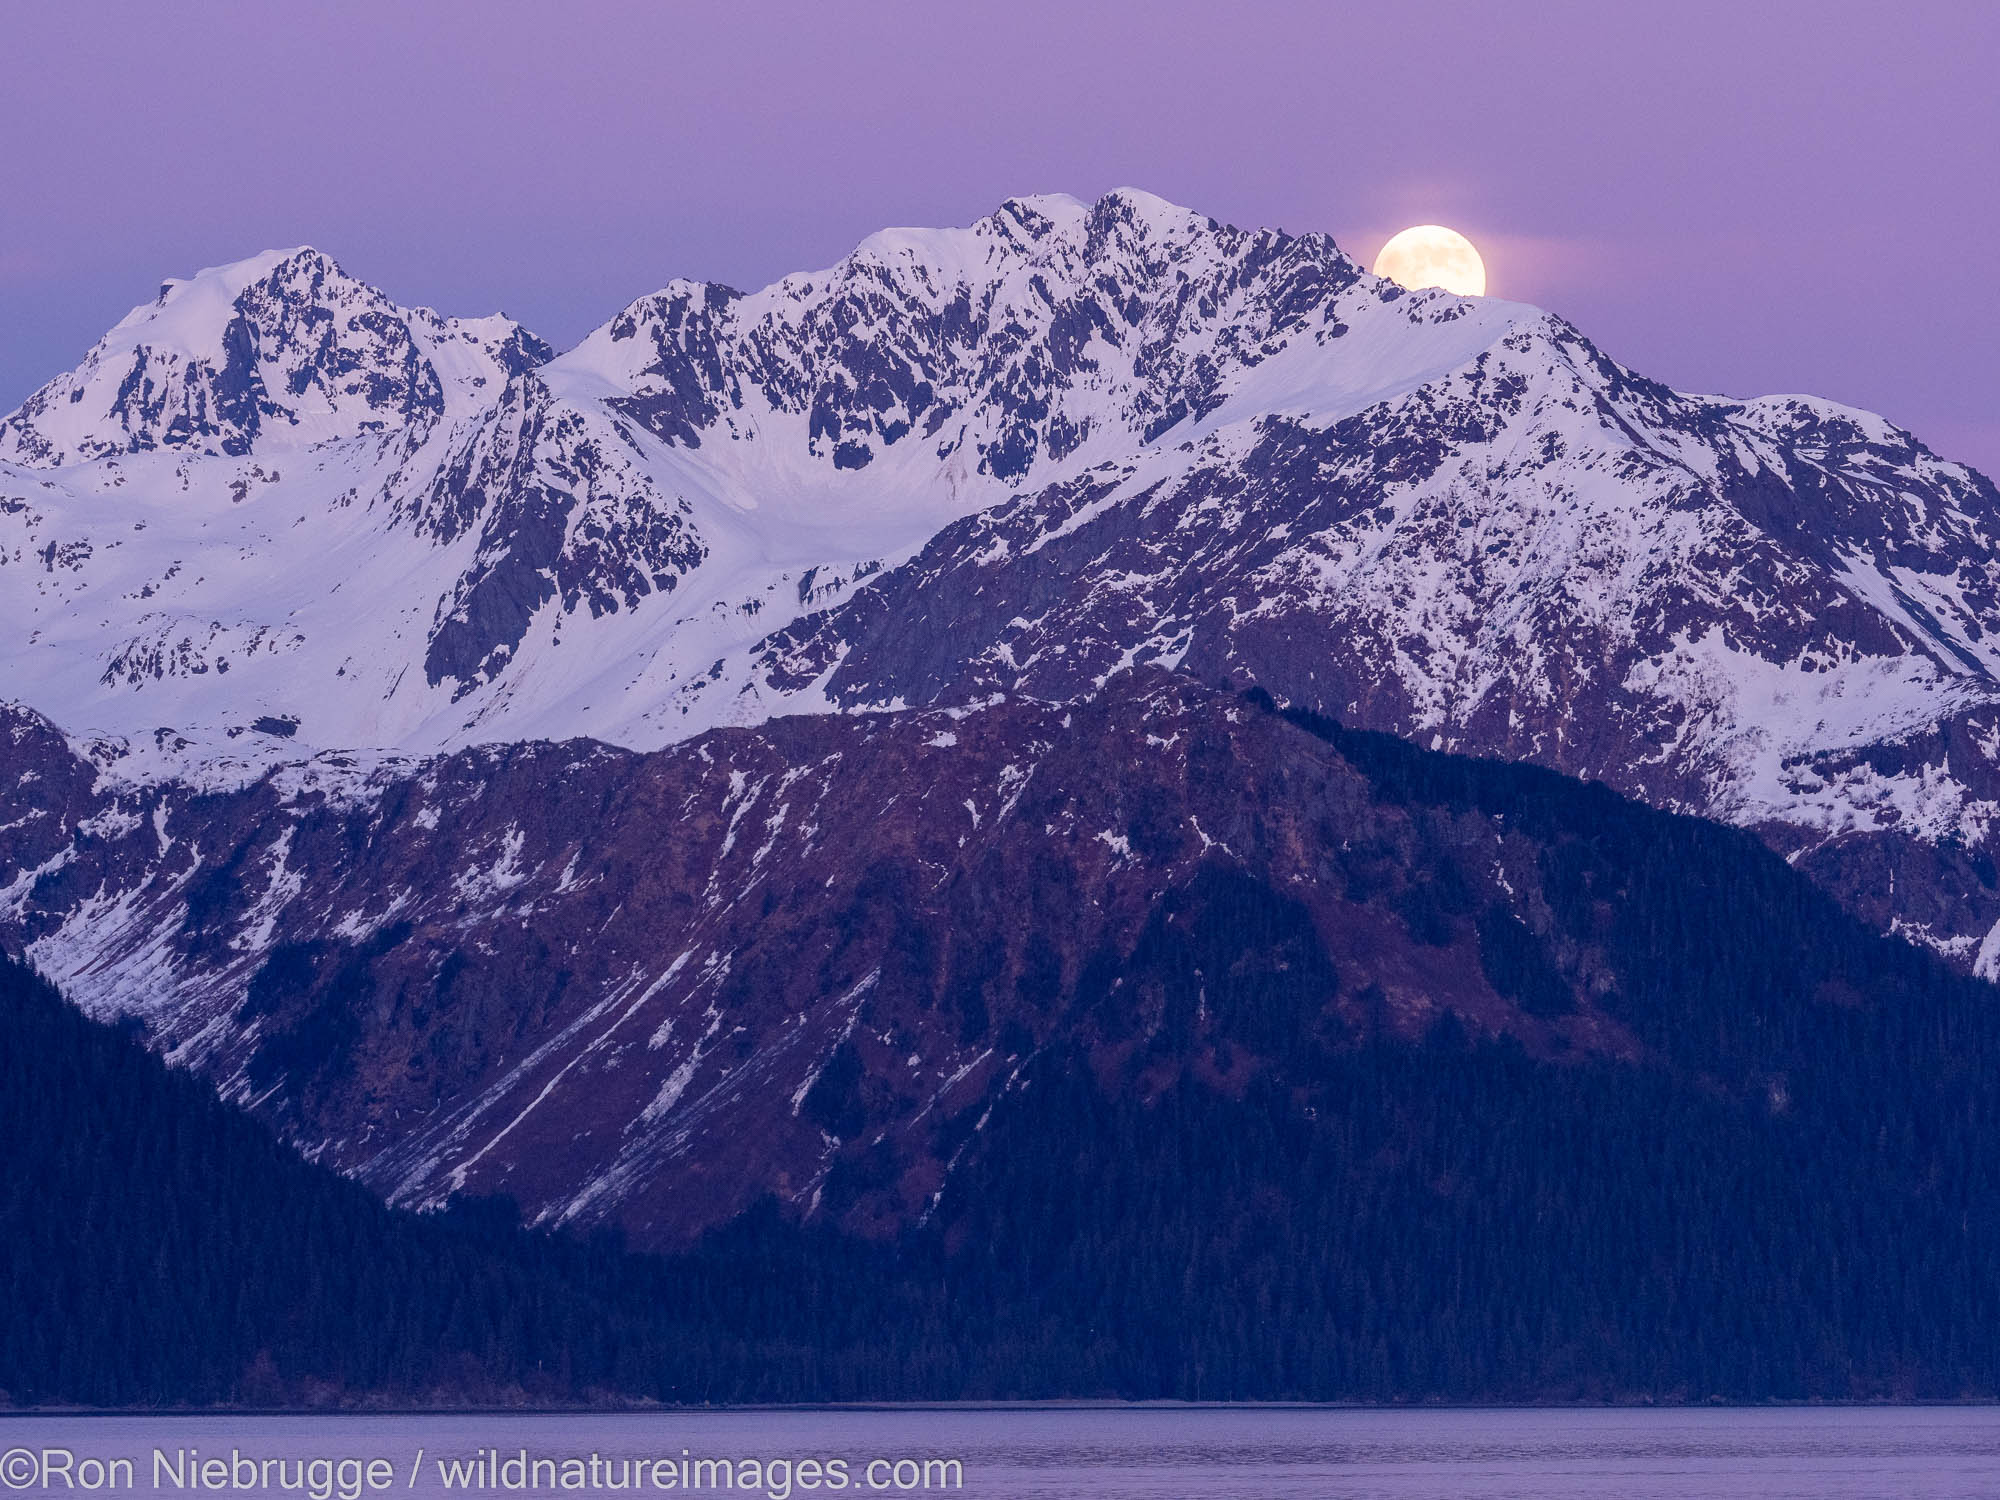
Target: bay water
{"points": [[1029, 1453]]}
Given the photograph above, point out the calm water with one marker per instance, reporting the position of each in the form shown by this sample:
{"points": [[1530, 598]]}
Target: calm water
{"points": [[1216, 1454]]}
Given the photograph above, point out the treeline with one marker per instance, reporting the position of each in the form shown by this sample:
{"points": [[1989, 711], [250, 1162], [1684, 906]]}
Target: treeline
{"points": [[1791, 1192]]}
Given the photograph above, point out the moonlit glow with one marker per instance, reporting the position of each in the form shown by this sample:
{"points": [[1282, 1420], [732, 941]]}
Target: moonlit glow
{"points": [[1431, 255]]}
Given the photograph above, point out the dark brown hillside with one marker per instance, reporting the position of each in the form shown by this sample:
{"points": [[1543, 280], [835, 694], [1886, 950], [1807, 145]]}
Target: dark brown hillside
{"points": [[806, 960]]}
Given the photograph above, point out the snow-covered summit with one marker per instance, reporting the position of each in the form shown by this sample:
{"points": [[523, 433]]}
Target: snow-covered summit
{"points": [[718, 446], [281, 350], [1047, 329], [190, 314]]}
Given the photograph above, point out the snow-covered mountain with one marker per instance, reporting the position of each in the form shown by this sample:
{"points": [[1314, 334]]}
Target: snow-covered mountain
{"points": [[576, 551], [274, 516], [282, 351]]}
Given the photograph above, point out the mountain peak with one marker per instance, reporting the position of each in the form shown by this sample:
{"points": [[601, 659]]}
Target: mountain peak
{"points": [[963, 359], [1040, 227], [1135, 205], [191, 314], [282, 348], [217, 285], [1150, 209]]}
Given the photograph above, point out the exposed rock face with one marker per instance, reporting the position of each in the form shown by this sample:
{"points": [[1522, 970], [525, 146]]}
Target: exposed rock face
{"points": [[562, 516]]}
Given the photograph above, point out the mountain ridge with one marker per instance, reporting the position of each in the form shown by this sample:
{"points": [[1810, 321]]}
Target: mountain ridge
{"points": [[869, 936], [1022, 457]]}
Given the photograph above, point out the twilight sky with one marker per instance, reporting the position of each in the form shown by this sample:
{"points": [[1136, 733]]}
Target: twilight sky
{"points": [[1747, 197]]}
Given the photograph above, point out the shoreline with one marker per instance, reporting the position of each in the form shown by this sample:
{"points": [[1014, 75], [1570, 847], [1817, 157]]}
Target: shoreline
{"points": [[1050, 1405]]}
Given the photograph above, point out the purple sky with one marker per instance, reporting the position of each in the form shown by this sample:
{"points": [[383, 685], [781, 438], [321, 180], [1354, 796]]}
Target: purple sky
{"points": [[1741, 197]]}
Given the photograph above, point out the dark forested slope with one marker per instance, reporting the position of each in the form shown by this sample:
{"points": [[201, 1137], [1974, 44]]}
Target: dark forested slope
{"points": [[158, 1247], [1682, 1129]]}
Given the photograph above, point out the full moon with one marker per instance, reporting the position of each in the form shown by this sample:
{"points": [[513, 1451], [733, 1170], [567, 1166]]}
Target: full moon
{"points": [[1431, 255]]}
